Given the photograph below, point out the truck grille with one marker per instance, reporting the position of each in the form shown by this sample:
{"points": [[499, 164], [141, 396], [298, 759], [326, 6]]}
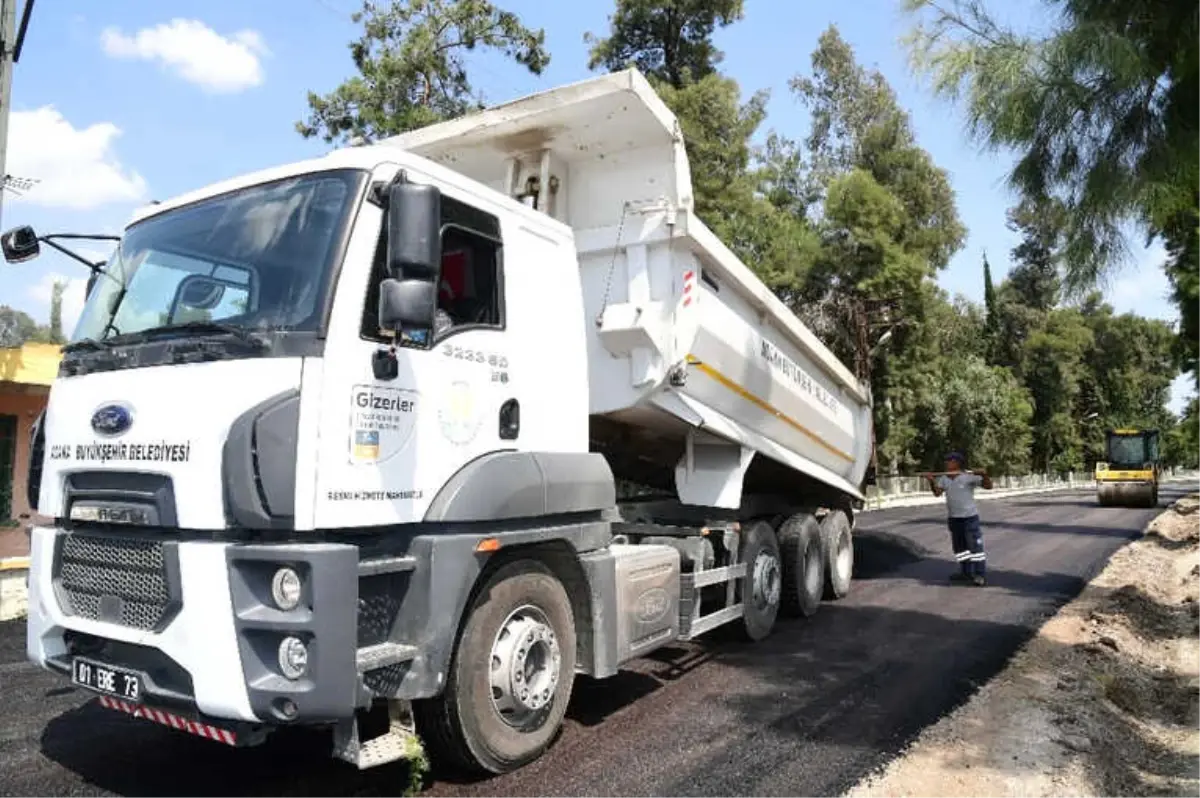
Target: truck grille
{"points": [[117, 580]]}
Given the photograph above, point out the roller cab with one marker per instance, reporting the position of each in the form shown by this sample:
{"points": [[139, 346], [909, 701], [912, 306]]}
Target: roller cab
{"points": [[1130, 475]]}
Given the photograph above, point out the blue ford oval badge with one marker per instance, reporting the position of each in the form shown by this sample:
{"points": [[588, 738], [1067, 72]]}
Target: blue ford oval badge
{"points": [[112, 419]]}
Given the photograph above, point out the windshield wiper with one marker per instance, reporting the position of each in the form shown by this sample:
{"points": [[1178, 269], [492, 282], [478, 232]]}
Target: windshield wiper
{"points": [[86, 345], [201, 327]]}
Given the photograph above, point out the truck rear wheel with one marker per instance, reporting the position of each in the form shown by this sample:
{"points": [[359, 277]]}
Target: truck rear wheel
{"points": [[803, 565], [762, 587], [838, 543], [510, 677]]}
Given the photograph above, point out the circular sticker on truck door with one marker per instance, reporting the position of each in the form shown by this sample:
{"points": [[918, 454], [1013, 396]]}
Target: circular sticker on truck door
{"points": [[459, 414], [381, 422]]}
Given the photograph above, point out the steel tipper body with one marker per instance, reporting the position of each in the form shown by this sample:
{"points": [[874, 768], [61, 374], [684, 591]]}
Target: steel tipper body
{"points": [[338, 443], [1131, 472]]}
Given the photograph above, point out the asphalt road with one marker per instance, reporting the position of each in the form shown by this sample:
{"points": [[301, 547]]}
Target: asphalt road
{"points": [[806, 712]]}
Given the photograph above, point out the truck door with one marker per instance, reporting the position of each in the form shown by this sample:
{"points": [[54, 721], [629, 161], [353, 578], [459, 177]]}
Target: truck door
{"points": [[388, 443]]}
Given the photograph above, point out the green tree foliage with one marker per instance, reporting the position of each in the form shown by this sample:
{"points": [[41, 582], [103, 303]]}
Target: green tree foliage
{"points": [[56, 300], [1102, 110], [1102, 114], [667, 40], [1035, 277], [716, 132], [411, 66], [748, 198], [1182, 237], [1181, 444], [18, 328], [890, 220]]}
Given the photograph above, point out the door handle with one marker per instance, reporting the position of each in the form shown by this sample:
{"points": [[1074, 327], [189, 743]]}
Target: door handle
{"points": [[510, 420]]}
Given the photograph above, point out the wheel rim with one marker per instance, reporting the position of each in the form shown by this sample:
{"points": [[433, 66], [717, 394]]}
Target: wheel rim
{"points": [[812, 571], [845, 557], [767, 580], [525, 667]]}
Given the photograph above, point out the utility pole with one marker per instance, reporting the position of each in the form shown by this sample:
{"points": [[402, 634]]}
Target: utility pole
{"points": [[10, 51], [8, 29]]}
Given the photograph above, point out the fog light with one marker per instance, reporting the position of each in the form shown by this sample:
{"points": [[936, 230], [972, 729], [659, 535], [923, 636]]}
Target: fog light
{"points": [[285, 589], [293, 657]]}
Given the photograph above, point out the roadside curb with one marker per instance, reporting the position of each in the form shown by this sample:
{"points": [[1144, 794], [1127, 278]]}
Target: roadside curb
{"points": [[917, 500], [14, 587]]}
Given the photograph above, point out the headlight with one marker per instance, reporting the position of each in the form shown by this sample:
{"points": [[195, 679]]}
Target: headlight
{"points": [[285, 589], [293, 657]]}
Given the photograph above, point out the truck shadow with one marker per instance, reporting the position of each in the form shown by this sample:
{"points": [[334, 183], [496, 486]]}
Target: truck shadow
{"points": [[878, 553]]}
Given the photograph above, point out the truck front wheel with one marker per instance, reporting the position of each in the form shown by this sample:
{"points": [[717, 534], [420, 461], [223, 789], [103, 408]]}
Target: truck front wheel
{"points": [[760, 592], [510, 676]]}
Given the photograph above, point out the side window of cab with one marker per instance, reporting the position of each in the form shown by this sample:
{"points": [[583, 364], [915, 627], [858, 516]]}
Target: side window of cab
{"points": [[471, 280]]}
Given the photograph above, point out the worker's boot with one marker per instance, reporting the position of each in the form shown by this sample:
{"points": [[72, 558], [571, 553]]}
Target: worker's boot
{"points": [[979, 580], [959, 578]]}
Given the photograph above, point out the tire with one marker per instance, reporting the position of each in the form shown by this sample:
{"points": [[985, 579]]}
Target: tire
{"points": [[838, 543], [466, 728], [761, 589], [803, 565]]}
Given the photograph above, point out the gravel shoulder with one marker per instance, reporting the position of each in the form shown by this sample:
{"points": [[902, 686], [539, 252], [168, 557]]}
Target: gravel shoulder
{"points": [[1102, 701]]}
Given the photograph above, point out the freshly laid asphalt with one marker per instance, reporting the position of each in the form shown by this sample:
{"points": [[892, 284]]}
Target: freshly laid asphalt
{"points": [[809, 711]]}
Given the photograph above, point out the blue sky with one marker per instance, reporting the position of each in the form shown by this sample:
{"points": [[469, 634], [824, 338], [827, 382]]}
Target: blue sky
{"points": [[121, 102]]}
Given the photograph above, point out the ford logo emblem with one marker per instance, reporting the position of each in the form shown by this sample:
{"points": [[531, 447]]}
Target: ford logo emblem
{"points": [[112, 419]]}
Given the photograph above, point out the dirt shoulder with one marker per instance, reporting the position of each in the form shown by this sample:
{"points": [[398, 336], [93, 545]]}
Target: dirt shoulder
{"points": [[1105, 700]]}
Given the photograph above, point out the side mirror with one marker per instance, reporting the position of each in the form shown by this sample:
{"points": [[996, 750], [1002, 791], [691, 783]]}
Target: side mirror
{"points": [[405, 304], [414, 226], [408, 296], [200, 292], [20, 244]]}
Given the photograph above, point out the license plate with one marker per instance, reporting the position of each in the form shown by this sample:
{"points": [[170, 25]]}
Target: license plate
{"points": [[106, 679]]}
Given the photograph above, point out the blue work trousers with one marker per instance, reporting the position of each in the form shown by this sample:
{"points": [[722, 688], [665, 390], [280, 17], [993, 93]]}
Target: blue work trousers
{"points": [[966, 538]]}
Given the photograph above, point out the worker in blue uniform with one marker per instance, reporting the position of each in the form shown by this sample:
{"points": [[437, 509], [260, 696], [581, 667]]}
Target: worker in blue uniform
{"points": [[966, 533]]}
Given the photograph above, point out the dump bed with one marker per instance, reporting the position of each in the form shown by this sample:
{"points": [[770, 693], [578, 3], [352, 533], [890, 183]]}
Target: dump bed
{"points": [[682, 336]]}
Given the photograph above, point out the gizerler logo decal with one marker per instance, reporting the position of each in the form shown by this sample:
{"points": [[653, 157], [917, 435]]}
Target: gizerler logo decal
{"points": [[381, 422]]}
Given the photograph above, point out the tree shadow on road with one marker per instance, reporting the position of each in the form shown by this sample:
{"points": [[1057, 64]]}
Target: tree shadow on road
{"points": [[1045, 528], [1051, 585]]}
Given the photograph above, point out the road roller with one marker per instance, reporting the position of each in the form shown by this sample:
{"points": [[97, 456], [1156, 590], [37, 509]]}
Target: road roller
{"points": [[1130, 476]]}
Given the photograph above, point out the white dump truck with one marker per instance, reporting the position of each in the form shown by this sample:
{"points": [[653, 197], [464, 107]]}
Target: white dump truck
{"points": [[400, 440]]}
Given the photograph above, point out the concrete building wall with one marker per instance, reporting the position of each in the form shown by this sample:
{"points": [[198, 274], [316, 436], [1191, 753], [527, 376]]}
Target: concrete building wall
{"points": [[25, 405], [26, 373]]}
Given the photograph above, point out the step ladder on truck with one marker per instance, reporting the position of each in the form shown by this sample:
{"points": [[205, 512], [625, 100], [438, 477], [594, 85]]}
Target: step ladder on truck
{"points": [[337, 443]]}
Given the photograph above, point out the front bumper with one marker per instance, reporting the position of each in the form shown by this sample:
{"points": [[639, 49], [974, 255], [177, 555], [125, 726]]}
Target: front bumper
{"points": [[208, 643]]}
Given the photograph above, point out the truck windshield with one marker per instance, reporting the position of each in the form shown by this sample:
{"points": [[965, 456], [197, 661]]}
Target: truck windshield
{"points": [[255, 259], [1127, 450]]}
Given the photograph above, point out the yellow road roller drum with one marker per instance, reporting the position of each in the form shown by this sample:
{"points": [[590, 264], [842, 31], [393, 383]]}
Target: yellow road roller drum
{"points": [[1130, 476]]}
